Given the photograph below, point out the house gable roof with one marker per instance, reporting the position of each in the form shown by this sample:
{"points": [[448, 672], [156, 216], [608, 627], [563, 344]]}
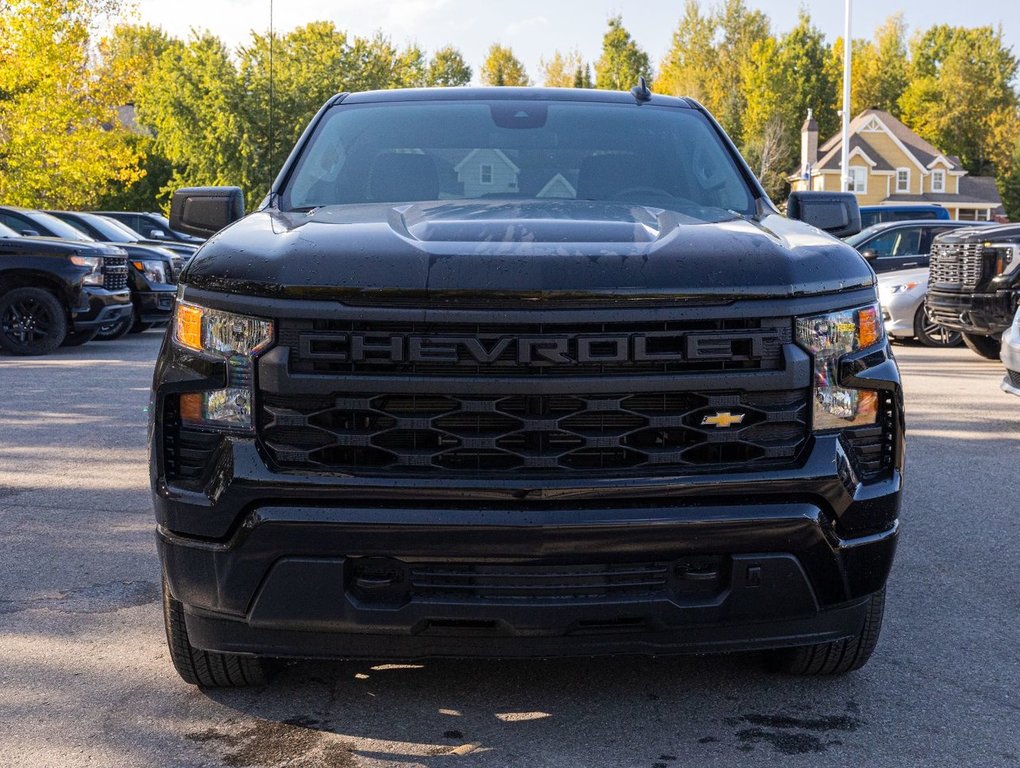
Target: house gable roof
{"points": [[830, 160], [920, 151], [498, 153]]}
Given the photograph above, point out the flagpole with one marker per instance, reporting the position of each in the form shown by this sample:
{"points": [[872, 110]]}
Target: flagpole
{"points": [[844, 162]]}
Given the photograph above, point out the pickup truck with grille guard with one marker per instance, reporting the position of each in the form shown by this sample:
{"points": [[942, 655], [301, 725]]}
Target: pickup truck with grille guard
{"points": [[974, 284], [522, 373]]}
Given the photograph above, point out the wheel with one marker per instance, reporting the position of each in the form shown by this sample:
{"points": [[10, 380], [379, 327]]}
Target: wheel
{"points": [[930, 333], [116, 329], [32, 321], [77, 338], [205, 668], [986, 346], [839, 656]]}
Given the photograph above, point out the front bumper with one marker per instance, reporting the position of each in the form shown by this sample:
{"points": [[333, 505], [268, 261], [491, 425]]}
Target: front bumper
{"points": [[984, 314], [1011, 359], [156, 305], [898, 311], [101, 307]]}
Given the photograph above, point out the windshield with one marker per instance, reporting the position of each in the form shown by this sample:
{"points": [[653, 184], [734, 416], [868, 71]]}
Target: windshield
{"points": [[402, 152], [113, 231]]}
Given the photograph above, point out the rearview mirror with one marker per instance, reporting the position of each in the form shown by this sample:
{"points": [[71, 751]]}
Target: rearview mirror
{"points": [[204, 211], [834, 212]]}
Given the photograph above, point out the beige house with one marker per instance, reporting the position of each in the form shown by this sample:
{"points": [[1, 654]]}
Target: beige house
{"points": [[891, 165]]}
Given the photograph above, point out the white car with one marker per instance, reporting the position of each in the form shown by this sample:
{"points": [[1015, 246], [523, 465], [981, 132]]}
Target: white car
{"points": [[1011, 356], [902, 296]]}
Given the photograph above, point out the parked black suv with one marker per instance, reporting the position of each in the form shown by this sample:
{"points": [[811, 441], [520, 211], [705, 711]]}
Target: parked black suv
{"points": [[55, 292], [974, 284], [522, 372]]}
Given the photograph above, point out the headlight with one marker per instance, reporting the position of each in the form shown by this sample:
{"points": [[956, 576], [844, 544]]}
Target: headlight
{"points": [[828, 338], [154, 271], [95, 264], [1006, 255], [235, 338]]}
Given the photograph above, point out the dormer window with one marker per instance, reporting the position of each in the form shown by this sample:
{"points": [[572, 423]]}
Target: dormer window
{"points": [[485, 173], [938, 181], [902, 180]]}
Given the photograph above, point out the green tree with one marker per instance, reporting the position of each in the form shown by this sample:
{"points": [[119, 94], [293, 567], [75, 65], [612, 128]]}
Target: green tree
{"points": [[501, 67], [961, 87], [561, 70], [448, 68], [622, 62], [582, 77], [705, 59], [1009, 184], [61, 142], [127, 57], [879, 74], [781, 80], [190, 102]]}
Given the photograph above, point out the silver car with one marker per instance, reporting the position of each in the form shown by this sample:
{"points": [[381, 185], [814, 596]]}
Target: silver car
{"points": [[1011, 356], [902, 296]]}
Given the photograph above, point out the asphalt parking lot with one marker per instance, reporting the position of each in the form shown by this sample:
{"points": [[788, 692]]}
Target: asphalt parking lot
{"points": [[85, 678]]}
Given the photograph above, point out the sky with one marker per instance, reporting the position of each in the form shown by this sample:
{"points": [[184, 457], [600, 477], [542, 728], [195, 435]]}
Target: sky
{"points": [[536, 28]]}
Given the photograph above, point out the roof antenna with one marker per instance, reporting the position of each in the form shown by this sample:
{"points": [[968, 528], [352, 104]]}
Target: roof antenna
{"points": [[641, 91]]}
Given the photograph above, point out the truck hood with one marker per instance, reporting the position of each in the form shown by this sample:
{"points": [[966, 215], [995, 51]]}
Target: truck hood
{"points": [[523, 249], [55, 246]]}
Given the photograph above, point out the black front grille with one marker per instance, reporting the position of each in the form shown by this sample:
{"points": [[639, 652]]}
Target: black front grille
{"points": [[640, 433], [338, 347], [115, 273], [955, 266], [538, 582]]}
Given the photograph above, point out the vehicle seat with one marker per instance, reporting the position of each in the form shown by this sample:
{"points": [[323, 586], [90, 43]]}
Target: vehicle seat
{"points": [[403, 177]]}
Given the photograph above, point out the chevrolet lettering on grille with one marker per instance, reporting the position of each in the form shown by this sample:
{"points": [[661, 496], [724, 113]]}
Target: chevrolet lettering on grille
{"points": [[385, 348]]}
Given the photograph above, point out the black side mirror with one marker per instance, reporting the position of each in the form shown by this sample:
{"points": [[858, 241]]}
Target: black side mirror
{"points": [[29, 233], [868, 254], [834, 212], [157, 234], [204, 211]]}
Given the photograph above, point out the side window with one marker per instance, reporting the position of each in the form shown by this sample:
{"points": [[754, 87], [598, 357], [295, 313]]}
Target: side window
{"points": [[929, 237], [16, 223], [909, 243], [882, 245]]}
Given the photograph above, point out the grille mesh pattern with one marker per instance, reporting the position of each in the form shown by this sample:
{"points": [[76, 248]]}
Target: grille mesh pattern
{"points": [[1014, 377], [115, 273], [549, 433], [956, 266]]}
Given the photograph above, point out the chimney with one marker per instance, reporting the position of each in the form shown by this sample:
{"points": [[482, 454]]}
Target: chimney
{"points": [[808, 145]]}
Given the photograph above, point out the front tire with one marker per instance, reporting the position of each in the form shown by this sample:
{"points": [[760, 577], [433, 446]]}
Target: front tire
{"points": [[985, 346], [931, 334], [32, 321], [839, 656], [205, 668]]}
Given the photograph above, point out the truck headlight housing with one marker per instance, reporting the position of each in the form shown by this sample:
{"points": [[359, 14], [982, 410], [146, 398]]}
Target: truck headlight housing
{"points": [[154, 271], [95, 264], [238, 339], [829, 338]]}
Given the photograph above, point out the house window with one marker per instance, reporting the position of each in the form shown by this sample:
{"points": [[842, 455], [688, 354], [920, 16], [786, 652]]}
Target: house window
{"points": [[486, 173], [975, 214], [902, 180], [858, 180], [938, 181]]}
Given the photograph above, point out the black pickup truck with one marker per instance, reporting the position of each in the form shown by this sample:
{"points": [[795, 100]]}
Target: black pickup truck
{"points": [[55, 292], [522, 372], [974, 284]]}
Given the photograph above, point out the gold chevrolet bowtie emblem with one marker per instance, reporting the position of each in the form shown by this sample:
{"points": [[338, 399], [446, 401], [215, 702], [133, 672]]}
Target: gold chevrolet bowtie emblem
{"points": [[723, 420]]}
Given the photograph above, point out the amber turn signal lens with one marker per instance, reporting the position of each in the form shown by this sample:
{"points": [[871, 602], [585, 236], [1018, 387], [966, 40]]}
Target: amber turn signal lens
{"points": [[189, 326], [191, 407], [868, 321]]}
